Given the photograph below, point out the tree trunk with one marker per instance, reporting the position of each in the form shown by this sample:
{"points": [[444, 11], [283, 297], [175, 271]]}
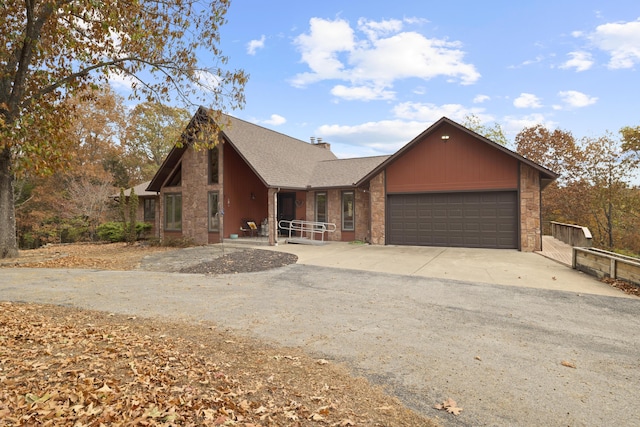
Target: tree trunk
{"points": [[8, 240]]}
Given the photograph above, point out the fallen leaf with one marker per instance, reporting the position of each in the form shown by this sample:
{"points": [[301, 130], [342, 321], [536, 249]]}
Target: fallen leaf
{"points": [[105, 389], [568, 364], [450, 406]]}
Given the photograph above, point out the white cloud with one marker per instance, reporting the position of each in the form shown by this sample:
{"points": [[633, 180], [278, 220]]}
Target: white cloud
{"points": [[574, 99], [415, 20], [320, 49], [621, 40], [527, 100], [537, 60], [120, 81], [512, 125], [254, 45], [425, 112], [479, 99], [362, 93], [376, 29], [275, 120], [207, 80], [581, 61], [332, 51], [386, 136]]}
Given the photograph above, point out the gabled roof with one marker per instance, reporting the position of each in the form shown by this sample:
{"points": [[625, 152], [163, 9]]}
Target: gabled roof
{"points": [[278, 160], [547, 176], [281, 161]]}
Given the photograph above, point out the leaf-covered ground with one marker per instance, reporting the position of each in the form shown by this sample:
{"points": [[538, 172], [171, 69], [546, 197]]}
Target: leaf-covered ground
{"points": [[61, 367]]}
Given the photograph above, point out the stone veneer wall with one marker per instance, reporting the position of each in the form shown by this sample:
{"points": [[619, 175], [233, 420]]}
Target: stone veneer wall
{"points": [[362, 215], [530, 209], [334, 211], [195, 189], [194, 196], [377, 193]]}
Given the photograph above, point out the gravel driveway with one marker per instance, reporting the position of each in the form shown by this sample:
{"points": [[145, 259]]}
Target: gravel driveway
{"points": [[496, 350]]}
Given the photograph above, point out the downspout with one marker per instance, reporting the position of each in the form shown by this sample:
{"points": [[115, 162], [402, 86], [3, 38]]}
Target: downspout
{"points": [[158, 220], [275, 217]]}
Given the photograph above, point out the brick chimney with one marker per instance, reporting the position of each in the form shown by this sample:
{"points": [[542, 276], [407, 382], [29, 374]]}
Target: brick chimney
{"points": [[324, 145]]}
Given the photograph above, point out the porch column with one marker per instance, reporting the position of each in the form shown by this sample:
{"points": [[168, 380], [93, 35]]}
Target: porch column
{"points": [[272, 215]]}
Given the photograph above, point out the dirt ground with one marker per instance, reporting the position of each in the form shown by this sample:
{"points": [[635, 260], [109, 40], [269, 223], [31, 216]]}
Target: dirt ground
{"points": [[62, 366]]}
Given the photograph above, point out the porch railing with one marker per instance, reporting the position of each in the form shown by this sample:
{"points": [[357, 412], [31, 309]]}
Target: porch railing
{"points": [[573, 235], [311, 231]]}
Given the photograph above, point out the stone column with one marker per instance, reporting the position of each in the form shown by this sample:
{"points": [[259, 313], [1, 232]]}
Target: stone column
{"points": [[530, 209], [378, 196]]}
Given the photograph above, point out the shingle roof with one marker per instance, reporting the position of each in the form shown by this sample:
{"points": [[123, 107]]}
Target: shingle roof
{"points": [[286, 162], [140, 190], [279, 160], [341, 172]]}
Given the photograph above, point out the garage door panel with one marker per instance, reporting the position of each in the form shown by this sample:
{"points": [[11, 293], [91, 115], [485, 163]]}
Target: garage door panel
{"points": [[454, 219]]}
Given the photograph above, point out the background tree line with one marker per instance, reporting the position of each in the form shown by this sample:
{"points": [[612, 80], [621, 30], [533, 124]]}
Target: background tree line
{"points": [[596, 184], [107, 148]]}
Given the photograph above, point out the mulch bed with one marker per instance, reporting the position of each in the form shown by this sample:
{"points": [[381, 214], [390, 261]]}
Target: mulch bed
{"points": [[248, 261]]}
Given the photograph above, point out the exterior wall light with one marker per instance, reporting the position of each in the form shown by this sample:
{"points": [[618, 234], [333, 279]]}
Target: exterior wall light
{"points": [[445, 138]]}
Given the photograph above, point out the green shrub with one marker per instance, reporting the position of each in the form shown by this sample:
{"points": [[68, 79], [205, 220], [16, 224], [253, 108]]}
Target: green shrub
{"points": [[111, 232], [114, 231]]}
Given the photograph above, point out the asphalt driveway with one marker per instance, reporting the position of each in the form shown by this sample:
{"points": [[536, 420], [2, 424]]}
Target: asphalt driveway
{"points": [[497, 350]]}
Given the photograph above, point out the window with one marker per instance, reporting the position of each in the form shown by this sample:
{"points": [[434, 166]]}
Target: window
{"points": [[348, 211], [213, 165], [173, 212], [176, 178], [321, 207], [149, 209], [214, 217]]}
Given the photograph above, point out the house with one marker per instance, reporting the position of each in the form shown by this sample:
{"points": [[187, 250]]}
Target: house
{"points": [[447, 187]]}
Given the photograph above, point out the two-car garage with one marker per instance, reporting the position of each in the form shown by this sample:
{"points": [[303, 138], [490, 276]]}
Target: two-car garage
{"points": [[452, 187], [459, 219]]}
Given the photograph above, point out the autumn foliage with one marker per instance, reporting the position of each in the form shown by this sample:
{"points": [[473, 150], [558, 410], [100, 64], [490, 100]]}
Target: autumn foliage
{"points": [[595, 188], [50, 52]]}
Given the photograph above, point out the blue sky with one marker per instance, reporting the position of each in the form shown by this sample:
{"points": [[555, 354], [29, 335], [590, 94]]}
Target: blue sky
{"points": [[368, 76]]}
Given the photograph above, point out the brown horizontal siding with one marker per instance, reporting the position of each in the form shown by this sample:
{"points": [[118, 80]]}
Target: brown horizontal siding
{"points": [[461, 163]]}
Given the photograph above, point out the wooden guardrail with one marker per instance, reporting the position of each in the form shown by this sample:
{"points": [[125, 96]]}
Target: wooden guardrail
{"points": [[570, 234], [601, 263]]}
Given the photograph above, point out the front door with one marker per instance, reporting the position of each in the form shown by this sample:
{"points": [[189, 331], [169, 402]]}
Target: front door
{"points": [[286, 206]]}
